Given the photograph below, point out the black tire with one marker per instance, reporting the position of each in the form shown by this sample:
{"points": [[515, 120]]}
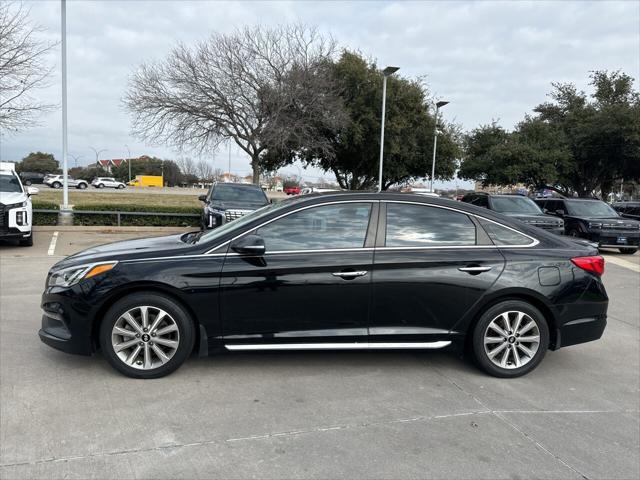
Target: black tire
{"points": [[100, 185], [27, 242], [628, 251], [56, 185], [574, 232], [481, 356], [27, 183], [176, 311], [82, 186], [120, 186]]}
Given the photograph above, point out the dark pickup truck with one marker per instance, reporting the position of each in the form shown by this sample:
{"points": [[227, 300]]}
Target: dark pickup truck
{"points": [[225, 202]]}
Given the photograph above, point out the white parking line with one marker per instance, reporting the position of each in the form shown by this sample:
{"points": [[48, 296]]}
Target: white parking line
{"points": [[622, 263], [52, 245]]}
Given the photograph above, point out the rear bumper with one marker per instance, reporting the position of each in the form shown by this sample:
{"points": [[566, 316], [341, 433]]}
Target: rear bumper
{"points": [[581, 330]]}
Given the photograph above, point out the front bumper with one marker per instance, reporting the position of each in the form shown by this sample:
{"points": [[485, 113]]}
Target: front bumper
{"points": [[615, 239], [65, 323]]}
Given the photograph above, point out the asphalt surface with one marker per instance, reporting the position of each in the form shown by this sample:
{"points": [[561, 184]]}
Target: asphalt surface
{"points": [[313, 414]]}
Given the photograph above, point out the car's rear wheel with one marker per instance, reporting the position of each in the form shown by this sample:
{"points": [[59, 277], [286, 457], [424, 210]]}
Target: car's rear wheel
{"points": [[628, 251], [82, 186], [146, 335], [510, 339], [27, 183], [120, 186], [100, 185]]}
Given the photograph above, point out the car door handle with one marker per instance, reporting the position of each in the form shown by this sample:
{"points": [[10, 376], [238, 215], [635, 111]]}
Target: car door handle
{"points": [[474, 269], [361, 273]]}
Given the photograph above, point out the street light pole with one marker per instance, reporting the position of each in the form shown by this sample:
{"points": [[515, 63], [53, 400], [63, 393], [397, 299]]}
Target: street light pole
{"points": [[386, 72], [129, 161], [435, 142], [65, 215]]}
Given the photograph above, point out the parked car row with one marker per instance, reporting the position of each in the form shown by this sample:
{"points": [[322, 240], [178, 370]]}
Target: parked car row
{"points": [[589, 219]]}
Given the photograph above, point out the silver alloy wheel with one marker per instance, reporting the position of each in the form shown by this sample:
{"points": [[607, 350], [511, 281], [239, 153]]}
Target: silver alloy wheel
{"points": [[511, 340], [145, 337]]}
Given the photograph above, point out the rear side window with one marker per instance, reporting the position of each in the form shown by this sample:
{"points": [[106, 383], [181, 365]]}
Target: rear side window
{"points": [[423, 226], [333, 226], [501, 235]]}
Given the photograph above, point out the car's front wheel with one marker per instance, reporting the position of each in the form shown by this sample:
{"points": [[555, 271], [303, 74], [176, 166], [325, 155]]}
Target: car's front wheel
{"points": [[82, 186], [510, 339], [146, 335], [56, 185], [628, 251]]}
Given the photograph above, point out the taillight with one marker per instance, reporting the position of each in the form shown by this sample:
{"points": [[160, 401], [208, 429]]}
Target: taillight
{"points": [[590, 264]]}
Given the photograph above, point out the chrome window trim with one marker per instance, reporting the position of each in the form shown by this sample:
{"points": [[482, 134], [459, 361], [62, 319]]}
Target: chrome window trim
{"points": [[290, 213], [534, 241]]}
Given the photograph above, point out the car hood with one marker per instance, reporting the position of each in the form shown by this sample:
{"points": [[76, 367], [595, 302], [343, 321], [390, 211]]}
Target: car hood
{"points": [[536, 219], [9, 198], [237, 205], [129, 249]]}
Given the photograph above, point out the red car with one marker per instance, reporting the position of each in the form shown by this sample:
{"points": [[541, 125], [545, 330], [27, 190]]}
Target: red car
{"points": [[292, 190]]}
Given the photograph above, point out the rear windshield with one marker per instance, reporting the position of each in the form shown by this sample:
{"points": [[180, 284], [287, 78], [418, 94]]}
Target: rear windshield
{"points": [[10, 184], [514, 205], [238, 193]]}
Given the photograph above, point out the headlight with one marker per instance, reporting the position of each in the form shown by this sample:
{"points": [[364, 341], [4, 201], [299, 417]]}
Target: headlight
{"points": [[16, 205], [72, 275], [595, 225]]}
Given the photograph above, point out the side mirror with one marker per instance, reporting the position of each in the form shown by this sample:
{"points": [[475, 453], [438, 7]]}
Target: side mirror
{"points": [[560, 212], [249, 245], [544, 210], [32, 191], [202, 198]]}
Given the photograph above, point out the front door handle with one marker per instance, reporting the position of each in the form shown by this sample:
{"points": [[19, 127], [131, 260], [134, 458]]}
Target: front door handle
{"points": [[350, 274], [474, 269]]}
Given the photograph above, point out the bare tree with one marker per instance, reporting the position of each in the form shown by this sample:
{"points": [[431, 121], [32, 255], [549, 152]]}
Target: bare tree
{"points": [[205, 170], [187, 166], [23, 68], [267, 89]]}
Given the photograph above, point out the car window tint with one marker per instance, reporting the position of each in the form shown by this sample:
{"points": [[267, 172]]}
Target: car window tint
{"points": [[501, 235], [422, 226], [318, 228]]}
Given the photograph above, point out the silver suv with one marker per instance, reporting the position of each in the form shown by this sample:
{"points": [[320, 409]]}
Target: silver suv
{"points": [[102, 182], [56, 181]]}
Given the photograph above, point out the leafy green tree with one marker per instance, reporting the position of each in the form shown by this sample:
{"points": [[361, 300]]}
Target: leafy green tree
{"points": [[39, 162], [88, 173], [574, 143], [149, 166], [354, 154]]}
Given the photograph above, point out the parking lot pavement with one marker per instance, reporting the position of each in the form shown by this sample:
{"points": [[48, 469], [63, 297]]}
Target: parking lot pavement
{"points": [[313, 414]]}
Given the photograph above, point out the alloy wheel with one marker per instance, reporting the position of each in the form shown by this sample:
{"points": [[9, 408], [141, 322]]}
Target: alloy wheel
{"points": [[511, 339], [145, 337]]}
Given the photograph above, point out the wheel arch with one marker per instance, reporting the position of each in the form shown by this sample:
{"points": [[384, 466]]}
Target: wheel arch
{"points": [[143, 287], [522, 295]]}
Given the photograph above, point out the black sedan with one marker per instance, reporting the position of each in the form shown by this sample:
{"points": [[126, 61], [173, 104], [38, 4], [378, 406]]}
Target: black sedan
{"points": [[337, 271]]}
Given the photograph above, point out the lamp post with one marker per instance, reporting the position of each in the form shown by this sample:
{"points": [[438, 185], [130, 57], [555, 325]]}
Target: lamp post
{"points": [[435, 142], [386, 72], [129, 160], [65, 217]]}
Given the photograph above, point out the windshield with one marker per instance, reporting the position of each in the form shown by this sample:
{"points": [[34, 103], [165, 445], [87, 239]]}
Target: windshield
{"points": [[211, 235], [238, 193], [515, 205], [10, 184], [590, 209]]}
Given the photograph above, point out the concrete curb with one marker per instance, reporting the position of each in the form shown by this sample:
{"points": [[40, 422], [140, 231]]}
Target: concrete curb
{"points": [[110, 229]]}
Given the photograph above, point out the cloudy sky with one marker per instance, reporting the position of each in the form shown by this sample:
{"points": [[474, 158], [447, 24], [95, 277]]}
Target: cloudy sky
{"points": [[492, 60]]}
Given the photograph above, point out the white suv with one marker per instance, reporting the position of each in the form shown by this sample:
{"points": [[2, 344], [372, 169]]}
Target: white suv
{"points": [[56, 181], [16, 216], [101, 182]]}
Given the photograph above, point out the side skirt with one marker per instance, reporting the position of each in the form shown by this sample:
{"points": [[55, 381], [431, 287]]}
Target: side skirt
{"points": [[340, 346]]}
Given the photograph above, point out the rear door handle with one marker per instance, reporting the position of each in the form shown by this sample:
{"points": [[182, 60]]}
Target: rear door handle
{"points": [[350, 274], [474, 269]]}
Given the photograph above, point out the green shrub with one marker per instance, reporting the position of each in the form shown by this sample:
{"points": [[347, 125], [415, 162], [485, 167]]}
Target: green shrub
{"points": [[40, 219], [135, 220]]}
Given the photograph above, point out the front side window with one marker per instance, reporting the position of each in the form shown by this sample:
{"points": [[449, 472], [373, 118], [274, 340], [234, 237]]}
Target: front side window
{"points": [[590, 208], [324, 227], [501, 235], [423, 226]]}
